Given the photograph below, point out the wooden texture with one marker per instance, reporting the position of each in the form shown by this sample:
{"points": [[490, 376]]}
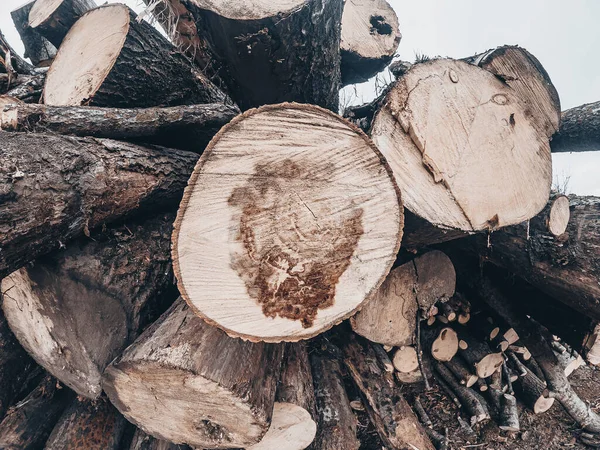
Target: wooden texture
{"points": [[37, 48], [27, 88], [10, 61], [54, 188], [579, 130], [29, 423], [89, 425], [296, 381], [464, 150], [441, 342], [396, 424], [211, 390], [370, 38], [142, 441], [112, 71], [279, 237], [54, 18], [75, 310], [15, 365], [188, 127], [275, 51], [390, 316]]}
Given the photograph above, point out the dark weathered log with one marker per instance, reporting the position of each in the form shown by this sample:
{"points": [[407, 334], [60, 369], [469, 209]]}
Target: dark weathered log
{"points": [[271, 52], [10, 61], [533, 392], [15, 365], [296, 381], [509, 414], [579, 130], [370, 37], [27, 88], [336, 422], [54, 18], [54, 188], [38, 49], [183, 127], [213, 391], [394, 421], [75, 310], [114, 72], [28, 424], [89, 425], [478, 354], [566, 267], [462, 372], [142, 441]]}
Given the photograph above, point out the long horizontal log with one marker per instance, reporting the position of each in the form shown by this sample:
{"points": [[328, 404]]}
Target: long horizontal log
{"points": [[54, 188], [183, 127], [579, 130]]}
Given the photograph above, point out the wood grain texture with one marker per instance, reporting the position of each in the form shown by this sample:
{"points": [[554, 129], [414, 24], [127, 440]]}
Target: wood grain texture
{"points": [[291, 231], [75, 310], [464, 148], [186, 382]]}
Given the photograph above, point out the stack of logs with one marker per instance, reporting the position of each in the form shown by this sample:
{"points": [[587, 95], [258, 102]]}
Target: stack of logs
{"points": [[290, 222]]}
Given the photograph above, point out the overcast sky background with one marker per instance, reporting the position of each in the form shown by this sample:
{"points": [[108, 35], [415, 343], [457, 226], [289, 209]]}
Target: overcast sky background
{"points": [[563, 34]]}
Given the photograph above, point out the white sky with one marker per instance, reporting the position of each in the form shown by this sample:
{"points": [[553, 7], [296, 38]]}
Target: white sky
{"points": [[563, 34]]}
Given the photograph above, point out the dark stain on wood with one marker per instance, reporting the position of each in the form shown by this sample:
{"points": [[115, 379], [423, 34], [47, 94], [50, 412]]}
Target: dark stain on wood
{"points": [[292, 257]]}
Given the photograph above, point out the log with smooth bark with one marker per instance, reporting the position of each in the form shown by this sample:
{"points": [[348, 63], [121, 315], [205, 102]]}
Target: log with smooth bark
{"points": [[188, 127], [55, 188], [28, 424], [336, 424], [38, 49], [111, 72], [579, 130], [273, 51], [566, 267], [75, 310], [370, 38], [89, 425], [279, 237], [15, 365], [54, 18], [437, 161], [143, 441], [395, 422], [213, 391], [390, 316]]}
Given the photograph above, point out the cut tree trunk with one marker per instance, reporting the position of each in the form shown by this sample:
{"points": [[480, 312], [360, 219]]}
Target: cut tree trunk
{"points": [[89, 425], [296, 381], [29, 423], [271, 241], [15, 365], [579, 130], [55, 188], [394, 420], [462, 372], [75, 310], [183, 127], [111, 72], [336, 422], [522, 71], [370, 38], [27, 88], [213, 391], [405, 359], [142, 441], [533, 392], [54, 18], [437, 161], [38, 49], [271, 52], [441, 343], [10, 61], [479, 355], [566, 267], [390, 317]]}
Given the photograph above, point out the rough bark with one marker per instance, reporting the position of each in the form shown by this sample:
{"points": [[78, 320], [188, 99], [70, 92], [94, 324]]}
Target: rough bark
{"points": [[53, 188], [566, 267], [389, 412], [265, 59], [479, 355], [27, 88], [38, 49], [55, 23], [29, 423], [370, 38], [336, 422], [75, 310], [15, 365], [183, 127], [462, 372], [509, 414], [162, 77], [579, 130], [296, 381], [89, 425], [213, 391], [533, 393], [10, 61], [142, 441]]}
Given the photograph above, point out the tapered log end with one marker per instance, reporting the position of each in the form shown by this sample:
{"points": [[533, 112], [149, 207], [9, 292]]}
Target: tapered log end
{"points": [[280, 236], [559, 216]]}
